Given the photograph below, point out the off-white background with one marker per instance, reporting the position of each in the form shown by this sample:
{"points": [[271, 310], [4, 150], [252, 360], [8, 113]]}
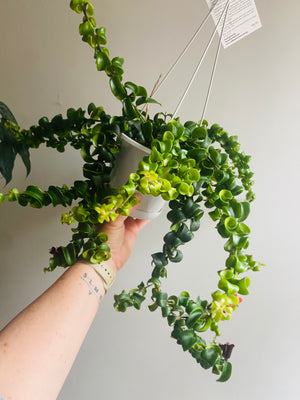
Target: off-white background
{"points": [[45, 68]]}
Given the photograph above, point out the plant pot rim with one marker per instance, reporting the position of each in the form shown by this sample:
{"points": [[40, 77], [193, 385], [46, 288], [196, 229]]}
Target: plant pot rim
{"points": [[139, 146]]}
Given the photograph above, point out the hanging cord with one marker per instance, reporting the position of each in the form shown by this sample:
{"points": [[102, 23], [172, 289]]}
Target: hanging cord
{"points": [[200, 62], [215, 64], [185, 49], [153, 91]]}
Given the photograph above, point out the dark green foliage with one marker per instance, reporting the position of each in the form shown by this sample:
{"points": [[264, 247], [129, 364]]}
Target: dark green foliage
{"points": [[9, 146]]}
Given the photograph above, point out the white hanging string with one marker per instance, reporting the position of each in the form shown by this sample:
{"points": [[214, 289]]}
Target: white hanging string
{"points": [[185, 49], [200, 62], [215, 64]]}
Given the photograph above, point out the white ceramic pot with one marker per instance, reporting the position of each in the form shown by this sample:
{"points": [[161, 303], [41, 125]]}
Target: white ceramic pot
{"points": [[127, 161]]}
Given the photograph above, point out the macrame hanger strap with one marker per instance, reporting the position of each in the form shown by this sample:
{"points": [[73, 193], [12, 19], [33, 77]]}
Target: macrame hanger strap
{"points": [[215, 63], [185, 49], [202, 58]]}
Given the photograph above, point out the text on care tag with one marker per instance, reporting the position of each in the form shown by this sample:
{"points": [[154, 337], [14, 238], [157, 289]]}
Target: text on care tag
{"points": [[242, 19]]}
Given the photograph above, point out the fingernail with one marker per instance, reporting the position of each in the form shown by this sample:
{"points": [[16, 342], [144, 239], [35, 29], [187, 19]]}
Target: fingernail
{"points": [[138, 196]]}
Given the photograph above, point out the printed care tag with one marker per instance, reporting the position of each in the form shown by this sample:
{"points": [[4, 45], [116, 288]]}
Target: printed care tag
{"points": [[242, 19]]}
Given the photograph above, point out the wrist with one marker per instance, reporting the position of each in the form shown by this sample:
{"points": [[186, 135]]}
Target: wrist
{"points": [[112, 264], [106, 271]]}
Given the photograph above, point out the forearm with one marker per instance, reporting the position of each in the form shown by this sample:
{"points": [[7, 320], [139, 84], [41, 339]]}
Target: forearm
{"points": [[38, 347]]}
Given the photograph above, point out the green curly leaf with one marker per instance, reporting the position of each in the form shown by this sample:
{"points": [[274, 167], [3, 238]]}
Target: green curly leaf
{"points": [[226, 372]]}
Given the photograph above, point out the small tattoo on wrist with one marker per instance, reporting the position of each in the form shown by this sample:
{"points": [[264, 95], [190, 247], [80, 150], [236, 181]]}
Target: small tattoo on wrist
{"points": [[93, 289]]}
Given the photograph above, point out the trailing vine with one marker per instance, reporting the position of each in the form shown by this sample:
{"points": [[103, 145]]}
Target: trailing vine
{"points": [[193, 167]]}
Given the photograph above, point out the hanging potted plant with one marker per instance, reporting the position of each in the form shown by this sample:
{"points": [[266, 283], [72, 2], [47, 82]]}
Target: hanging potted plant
{"points": [[191, 166]]}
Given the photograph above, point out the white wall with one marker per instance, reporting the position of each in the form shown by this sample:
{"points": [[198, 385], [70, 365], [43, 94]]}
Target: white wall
{"points": [[44, 69]]}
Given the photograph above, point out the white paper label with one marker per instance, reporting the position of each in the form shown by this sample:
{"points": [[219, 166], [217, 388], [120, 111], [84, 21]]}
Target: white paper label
{"points": [[242, 19]]}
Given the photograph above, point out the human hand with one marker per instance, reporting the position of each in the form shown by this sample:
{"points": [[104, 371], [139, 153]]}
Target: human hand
{"points": [[121, 236]]}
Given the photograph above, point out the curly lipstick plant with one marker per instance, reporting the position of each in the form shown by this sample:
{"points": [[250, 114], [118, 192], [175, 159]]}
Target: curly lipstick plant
{"points": [[194, 167]]}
